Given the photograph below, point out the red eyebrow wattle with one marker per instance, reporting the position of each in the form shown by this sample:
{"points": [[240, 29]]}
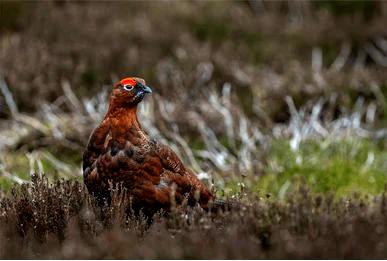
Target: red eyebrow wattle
{"points": [[129, 81]]}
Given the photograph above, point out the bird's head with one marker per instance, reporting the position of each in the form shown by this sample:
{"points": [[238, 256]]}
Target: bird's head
{"points": [[130, 91]]}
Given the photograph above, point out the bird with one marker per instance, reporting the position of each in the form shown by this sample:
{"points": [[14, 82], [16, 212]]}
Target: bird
{"points": [[120, 152]]}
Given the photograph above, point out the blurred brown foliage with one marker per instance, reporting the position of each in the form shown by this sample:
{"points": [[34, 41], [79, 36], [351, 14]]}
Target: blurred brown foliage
{"points": [[184, 48]]}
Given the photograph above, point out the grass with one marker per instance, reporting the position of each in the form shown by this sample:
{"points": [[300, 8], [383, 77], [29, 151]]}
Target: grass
{"points": [[22, 165], [339, 167]]}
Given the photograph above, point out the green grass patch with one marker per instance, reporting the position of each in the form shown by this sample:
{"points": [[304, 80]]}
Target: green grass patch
{"points": [[341, 167], [17, 164]]}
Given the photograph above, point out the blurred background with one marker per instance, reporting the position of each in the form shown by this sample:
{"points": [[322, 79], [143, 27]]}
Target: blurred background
{"points": [[253, 95]]}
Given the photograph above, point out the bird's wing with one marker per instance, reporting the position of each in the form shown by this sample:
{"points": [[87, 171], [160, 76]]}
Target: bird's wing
{"points": [[170, 160], [184, 178], [96, 146]]}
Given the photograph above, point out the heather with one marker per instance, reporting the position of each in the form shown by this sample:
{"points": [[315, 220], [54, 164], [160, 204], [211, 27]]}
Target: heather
{"points": [[280, 106], [302, 226]]}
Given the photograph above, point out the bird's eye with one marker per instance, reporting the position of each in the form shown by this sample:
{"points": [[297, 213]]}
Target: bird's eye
{"points": [[128, 87]]}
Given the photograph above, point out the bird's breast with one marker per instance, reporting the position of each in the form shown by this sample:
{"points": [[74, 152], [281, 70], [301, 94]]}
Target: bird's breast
{"points": [[122, 157]]}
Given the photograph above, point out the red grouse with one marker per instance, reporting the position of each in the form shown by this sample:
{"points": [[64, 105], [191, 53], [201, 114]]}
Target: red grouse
{"points": [[120, 152]]}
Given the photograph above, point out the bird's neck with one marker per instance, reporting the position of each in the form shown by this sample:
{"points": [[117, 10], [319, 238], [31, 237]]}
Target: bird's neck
{"points": [[123, 123], [124, 126], [123, 117]]}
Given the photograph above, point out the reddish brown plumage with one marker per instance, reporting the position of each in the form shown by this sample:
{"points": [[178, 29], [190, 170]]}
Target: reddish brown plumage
{"points": [[120, 152]]}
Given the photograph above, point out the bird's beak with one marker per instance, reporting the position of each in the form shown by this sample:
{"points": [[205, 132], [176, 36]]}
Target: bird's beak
{"points": [[147, 89]]}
